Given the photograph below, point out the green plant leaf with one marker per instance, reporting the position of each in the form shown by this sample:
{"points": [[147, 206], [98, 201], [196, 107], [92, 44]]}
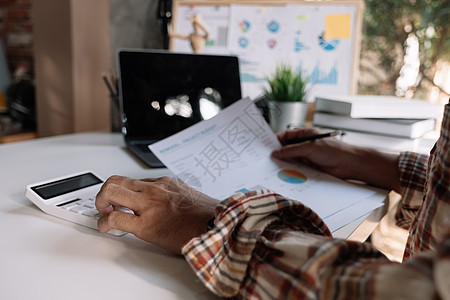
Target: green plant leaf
{"points": [[286, 85]]}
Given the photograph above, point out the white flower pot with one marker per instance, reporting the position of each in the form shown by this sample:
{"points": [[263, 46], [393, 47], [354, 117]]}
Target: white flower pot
{"points": [[284, 115]]}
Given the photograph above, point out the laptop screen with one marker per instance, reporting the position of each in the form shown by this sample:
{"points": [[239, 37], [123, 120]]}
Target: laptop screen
{"points": [[163, 92]]}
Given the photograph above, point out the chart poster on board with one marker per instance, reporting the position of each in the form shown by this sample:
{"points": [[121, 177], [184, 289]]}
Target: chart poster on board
{"points": [[317, 39]]}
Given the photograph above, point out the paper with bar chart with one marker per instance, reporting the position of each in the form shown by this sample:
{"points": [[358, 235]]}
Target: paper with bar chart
{"points": [[232, 152]]}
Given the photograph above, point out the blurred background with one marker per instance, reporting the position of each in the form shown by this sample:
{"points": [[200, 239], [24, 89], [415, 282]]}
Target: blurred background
{"points": [[404, 51]]}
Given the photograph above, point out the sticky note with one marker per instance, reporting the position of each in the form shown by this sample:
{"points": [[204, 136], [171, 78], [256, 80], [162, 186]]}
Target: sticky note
{"points": [[337, 27]]}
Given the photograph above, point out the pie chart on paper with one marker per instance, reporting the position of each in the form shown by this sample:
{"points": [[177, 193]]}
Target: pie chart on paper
{"points": [[292, 176]]}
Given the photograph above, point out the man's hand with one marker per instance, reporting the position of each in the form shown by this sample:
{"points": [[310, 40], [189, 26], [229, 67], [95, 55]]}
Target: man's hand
{"points": [[166, 212], [327, 154], [340, 159]]}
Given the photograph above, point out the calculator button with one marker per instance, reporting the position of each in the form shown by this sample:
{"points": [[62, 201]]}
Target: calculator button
{"points": [[88, 203], [70, 203], [90, 212], [69, 206], [96, 216], [78, 209]]}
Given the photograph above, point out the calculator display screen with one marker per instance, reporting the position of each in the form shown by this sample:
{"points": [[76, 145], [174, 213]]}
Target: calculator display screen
{"points": [[66, 185]]}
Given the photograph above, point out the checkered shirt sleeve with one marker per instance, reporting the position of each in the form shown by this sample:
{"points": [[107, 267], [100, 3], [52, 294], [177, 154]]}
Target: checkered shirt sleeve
{"points": [[412, 169], [265, 246]]}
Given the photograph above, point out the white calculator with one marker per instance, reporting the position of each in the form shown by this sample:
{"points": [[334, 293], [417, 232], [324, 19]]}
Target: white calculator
{"points": [[71, 198]]}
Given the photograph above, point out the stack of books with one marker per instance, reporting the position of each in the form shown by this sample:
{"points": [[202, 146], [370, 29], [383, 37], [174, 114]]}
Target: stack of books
{"points": [[380, 122]]}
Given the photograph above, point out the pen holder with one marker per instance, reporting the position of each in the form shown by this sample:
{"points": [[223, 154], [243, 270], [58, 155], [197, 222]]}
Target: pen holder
{"points": [[285, 115]]}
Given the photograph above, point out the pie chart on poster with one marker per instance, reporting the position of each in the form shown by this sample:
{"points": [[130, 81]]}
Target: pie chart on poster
{"points": [[292, 176]]}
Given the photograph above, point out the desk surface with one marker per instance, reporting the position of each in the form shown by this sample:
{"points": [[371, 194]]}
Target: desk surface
{"points": [[43, 257]]}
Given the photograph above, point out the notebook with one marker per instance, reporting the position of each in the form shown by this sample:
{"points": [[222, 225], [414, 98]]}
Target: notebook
{"points": [[161, 93]]}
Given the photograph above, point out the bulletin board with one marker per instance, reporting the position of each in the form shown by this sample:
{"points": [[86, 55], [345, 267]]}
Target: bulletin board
{"points": [[320, 38]]}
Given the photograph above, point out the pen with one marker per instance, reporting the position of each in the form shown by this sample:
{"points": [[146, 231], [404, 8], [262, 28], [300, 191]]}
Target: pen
{"points": [[114, 83], [314, 137], [108, 85]]}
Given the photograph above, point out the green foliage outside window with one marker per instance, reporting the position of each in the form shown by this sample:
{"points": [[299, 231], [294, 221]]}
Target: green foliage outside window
{"points": [[387, 26]]}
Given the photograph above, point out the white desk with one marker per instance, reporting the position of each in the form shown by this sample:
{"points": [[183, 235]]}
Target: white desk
{"points": [[43, 257]]}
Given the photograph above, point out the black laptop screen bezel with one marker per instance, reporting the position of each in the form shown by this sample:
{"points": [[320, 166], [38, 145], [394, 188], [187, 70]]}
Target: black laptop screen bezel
{"points": [[148, 75]]}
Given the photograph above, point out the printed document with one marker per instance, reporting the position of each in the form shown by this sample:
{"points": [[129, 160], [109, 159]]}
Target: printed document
{"points": [[231, 153]]}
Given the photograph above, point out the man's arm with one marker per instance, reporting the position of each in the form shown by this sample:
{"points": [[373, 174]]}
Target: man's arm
{"points": [[265, 246], [405, 173], [412, 168]]}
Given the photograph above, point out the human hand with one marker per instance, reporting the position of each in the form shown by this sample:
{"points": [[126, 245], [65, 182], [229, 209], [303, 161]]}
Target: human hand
{"points": [[341, 159], [167, 212], [327, 154]]}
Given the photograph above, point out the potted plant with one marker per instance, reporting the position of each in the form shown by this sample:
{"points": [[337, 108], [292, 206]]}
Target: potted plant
{"points": [[287, 98]]}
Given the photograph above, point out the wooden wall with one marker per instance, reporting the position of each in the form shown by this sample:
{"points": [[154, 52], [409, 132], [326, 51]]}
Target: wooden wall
{"points": [[71, 50]]}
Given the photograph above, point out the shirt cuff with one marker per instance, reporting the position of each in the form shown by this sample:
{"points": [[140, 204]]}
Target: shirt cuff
{"points": [[220, 257]]}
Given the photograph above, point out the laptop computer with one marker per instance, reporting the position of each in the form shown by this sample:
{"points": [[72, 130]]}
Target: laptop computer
{"points": [[161, 93]]}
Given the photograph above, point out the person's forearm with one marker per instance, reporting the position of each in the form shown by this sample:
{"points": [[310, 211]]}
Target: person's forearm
{"points": [[376, 168], [267, 246], [221, 256]]}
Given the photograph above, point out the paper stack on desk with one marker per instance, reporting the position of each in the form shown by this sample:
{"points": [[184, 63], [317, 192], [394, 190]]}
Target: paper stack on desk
{"points": [[381, 122], [232, 152]]}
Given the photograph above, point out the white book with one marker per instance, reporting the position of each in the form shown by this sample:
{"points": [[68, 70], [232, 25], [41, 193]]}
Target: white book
{"points": [[381, 142], [407, 128], [362, 106]]}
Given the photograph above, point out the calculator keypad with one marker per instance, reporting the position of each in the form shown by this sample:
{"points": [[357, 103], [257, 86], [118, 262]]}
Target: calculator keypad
{"points": [[82, 206]]}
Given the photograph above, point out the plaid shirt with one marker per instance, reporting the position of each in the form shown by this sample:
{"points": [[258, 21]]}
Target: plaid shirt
{"points": [[265, 246]]}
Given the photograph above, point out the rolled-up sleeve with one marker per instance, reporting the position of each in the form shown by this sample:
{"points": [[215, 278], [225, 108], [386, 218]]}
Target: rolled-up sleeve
{"points": [[412, 169], [221, 256], [265, 246]]}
